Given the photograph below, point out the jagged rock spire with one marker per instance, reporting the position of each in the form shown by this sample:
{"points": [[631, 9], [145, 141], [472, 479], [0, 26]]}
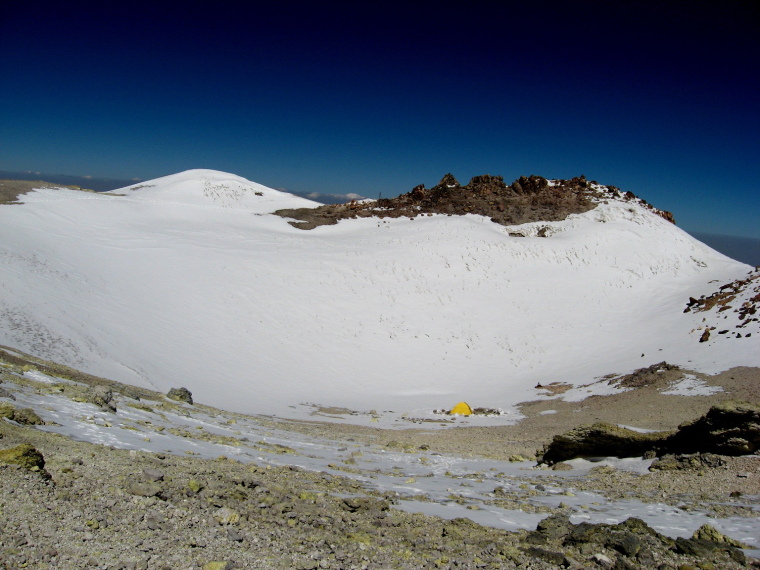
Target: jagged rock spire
{"points": [[448, 181]]}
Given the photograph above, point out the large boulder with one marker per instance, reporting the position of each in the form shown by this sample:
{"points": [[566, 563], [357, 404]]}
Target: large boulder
{"points": [[600, 440]]}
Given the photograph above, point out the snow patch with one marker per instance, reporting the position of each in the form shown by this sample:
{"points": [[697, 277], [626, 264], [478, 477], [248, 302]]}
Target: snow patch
{"points": [[689, 385]]}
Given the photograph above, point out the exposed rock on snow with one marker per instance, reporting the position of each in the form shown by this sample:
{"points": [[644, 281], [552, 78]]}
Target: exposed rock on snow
{"points": [[527, 199], [732, 308]]}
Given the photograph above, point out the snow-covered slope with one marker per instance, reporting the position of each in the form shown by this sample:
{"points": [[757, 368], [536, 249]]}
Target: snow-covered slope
{"points": [[188, 280]]}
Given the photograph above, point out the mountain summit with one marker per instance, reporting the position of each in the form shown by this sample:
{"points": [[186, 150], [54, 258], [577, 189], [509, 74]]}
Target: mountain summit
{"points": [[409, 304], [527, 199]]}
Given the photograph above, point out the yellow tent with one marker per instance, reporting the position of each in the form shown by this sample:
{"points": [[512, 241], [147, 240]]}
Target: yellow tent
{"points": [[462, 408]]}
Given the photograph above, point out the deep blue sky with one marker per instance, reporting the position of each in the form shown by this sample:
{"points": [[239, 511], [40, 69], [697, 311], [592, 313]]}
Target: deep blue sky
{"points": [[368, 97]]}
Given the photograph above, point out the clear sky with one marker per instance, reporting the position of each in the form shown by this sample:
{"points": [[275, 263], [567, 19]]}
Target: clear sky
{"points": [[660, 98]]}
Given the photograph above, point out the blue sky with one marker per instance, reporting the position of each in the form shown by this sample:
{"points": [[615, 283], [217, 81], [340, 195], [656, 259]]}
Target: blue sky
{"points": [[657, 98]]}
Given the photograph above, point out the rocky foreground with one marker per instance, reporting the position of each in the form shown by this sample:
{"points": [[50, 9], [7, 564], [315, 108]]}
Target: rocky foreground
{"points": [[77, 505], [72, 504]]}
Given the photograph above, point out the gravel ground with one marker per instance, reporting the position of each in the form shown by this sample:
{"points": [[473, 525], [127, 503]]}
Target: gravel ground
{"points": [[100, 507]]}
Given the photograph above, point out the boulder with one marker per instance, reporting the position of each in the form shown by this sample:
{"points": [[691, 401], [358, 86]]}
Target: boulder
{"points": [[26, 456], [180, 395], [102, 396], [144, 489]]}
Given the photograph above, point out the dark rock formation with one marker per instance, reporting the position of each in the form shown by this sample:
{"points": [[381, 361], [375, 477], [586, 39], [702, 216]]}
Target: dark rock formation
{"points": [[672, 462], [632, 543], [644, 376], [726, 429], [23, 416], [180, 395], [527, 199], [26, 456], [600, 440], [102, 396]]}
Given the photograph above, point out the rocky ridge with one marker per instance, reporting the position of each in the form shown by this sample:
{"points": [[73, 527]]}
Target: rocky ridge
{"points": [[527, 199]]}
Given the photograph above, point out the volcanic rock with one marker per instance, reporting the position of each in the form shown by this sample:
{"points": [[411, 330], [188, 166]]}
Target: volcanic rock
{"points": [[180, 395], [726, 429], [600, 440]]}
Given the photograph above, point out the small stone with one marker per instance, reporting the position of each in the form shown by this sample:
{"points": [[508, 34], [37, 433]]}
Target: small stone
{"points": [[145, 489], [153, 475], [225, 565], [234, 535], [226, 515], [601, 559]]}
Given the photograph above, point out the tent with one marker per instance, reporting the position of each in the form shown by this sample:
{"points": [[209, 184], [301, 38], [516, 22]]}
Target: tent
{"points": [[462, 408]]}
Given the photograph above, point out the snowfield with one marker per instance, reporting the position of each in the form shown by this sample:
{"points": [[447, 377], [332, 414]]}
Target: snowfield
{"points": [[189, 280]]}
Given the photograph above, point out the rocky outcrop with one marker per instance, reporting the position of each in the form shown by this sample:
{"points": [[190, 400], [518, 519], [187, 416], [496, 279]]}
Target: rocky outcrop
{"points": [[632, 543], [600, 440], [644, 376], [732, 309], [527, 199], [679, 462], [23, 416], [726, 429]]}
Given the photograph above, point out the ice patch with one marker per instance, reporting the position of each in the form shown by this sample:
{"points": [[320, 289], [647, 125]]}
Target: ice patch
{"points": [[689, 385], [637, 429], [40, 377]]}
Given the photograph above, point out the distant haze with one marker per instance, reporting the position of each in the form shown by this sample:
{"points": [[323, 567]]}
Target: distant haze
{"points": [[88, 182], [742, 249]]}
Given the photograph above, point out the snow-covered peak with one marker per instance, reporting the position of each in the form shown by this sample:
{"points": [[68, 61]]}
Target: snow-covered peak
{"points": [[202, 187]]}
